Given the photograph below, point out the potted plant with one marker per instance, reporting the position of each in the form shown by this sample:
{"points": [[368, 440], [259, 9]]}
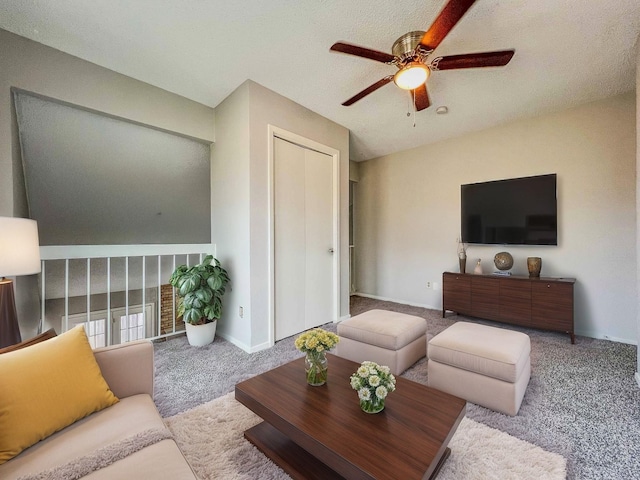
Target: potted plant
{"points": [[200, 289]]}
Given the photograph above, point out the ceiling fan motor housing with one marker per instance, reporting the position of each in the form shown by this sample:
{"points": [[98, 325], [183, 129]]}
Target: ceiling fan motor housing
{"points": [[405, 47]]}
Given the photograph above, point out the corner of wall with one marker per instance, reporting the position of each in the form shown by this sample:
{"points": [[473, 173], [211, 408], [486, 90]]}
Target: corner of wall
{"points": [[637, 47]]}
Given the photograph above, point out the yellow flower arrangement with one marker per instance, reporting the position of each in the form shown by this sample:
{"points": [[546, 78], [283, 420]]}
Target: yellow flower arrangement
{"points": [[315, 343], [316, 340]]}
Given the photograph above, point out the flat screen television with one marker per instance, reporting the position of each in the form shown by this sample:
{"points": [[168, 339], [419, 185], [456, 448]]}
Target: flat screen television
{"points": [[517, 211]]}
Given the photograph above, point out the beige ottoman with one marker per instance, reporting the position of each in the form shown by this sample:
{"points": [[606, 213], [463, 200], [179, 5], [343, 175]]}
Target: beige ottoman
{"points": [[484, 365], [387, 338]]}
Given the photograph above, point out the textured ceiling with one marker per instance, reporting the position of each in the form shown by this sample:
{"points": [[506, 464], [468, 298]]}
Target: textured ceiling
{"points": [[567, 52]]}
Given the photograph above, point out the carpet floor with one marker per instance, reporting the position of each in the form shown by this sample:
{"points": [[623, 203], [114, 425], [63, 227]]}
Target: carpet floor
{"points": [[210, 436], [582, 401]]}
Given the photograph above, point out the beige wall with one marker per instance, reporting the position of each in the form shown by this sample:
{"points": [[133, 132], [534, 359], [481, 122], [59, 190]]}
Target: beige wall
{"points": [[230, 211], [33, 67], [240, 201], [408, 211], [354, 171], [43, 70], [269, 108], [239, 163], [638, 197]]}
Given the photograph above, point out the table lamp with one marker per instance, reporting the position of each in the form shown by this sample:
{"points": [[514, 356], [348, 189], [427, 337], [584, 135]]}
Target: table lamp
{"points": [[19, 255]]}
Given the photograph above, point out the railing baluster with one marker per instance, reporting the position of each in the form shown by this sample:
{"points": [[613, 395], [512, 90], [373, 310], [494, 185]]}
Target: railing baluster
{"points": [[159, 331], [173, 297], [88, 290], [109, 319], [126, 290], [66, 294], [88, 327], [42, 295], [144, 287]]}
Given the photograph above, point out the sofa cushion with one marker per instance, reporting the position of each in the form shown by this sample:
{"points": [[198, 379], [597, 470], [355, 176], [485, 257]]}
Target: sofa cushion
{"points": [[46, 387], [110, 426]]}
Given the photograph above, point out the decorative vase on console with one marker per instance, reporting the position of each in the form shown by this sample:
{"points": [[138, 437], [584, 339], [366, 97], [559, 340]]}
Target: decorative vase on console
{"points": [[462, 255], [478, 269], [463, 262], [534, 264]]}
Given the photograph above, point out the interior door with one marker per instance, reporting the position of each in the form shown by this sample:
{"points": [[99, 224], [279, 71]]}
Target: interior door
{"points": [[318, 238], [303, 238]]}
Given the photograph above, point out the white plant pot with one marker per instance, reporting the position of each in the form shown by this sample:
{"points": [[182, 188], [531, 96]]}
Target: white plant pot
{"points": [[201, 335]]}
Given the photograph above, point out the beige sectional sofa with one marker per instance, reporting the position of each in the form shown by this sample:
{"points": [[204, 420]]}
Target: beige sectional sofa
{"points": [[125, 440]]}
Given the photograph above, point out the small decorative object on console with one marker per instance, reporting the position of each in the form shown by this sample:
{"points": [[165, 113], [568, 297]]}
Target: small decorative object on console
{"points": [[478, 269], [503, 261], [463, 264], [534, 264], [462, 255], [316, 343], [373, 383]]}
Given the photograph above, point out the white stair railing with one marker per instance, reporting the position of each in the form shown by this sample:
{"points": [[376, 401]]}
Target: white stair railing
{"points": [[107, 276]]}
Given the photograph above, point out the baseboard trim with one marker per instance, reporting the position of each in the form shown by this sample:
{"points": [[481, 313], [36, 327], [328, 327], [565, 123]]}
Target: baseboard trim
{"points": [[260, 347], [395, 300], [604, 336], [242, 345]]}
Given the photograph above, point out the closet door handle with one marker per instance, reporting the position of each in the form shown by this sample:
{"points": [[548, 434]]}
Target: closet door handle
{"points": [[331, 251]]}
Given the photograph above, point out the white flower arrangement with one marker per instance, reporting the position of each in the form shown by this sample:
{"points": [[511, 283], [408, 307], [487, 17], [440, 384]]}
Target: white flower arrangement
{"points": [[373, 383]]}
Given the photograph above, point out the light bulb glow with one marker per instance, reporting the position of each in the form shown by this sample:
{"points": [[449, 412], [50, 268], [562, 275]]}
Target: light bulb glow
{"points": [[411, 76]]}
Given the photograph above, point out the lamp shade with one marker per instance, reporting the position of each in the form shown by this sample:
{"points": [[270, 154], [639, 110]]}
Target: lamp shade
{"points": [[19, 247]]}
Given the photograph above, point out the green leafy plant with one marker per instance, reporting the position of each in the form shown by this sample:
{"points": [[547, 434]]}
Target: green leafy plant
{"points": [[200, 290]]}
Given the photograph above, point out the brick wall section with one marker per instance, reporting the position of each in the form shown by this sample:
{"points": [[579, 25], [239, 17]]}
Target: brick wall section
{"points": [[166, 306]]}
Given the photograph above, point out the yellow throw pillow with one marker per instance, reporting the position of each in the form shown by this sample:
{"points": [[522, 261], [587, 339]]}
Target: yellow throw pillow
{"points": [[45, 387]]}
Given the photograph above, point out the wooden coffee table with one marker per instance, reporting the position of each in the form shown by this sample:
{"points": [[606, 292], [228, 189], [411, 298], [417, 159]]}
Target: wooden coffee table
{"points": [[320, 432]]}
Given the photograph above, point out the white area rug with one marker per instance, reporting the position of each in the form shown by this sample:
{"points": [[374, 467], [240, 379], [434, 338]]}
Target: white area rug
{"points": [[211, 438]]}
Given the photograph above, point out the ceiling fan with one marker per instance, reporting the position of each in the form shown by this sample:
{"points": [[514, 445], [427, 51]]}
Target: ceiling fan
{"points": [[411, 54]]}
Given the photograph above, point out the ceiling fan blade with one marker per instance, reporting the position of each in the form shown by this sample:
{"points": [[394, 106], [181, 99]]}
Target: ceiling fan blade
{"points": [[362, 52], [474, 60], [368, 90], [421, 97], [446, 20]]}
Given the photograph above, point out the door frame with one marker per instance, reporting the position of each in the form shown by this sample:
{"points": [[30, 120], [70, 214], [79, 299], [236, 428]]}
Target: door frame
{"points": [[277, 132]]}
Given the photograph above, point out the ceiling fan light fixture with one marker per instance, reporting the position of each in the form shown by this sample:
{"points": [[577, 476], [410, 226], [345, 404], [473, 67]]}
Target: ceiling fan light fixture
{"points": [[411, 76]]}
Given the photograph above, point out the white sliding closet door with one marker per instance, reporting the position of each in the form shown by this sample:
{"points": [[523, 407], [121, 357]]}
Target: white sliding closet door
{"points": [[303, 238]]}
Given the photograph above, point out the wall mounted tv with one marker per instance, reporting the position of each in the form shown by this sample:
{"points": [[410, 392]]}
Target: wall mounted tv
{"points": [[517, 211]]}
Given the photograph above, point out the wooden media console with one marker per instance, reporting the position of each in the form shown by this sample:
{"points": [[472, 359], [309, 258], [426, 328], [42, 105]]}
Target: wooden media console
{"points": [[545, 303]]}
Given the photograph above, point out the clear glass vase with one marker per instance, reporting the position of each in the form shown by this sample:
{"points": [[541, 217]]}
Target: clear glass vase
{"points": [[375, 405], [315, 365]]}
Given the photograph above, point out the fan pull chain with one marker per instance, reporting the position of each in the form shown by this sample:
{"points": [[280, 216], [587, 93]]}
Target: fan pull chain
{"points": [[414, 109], [412, 96], [412, 99]]}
